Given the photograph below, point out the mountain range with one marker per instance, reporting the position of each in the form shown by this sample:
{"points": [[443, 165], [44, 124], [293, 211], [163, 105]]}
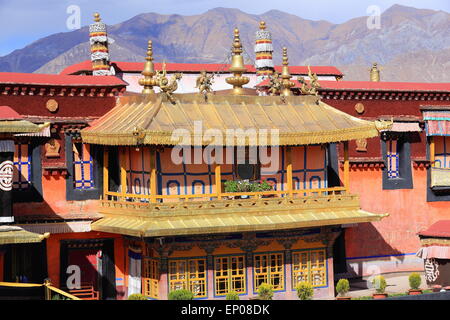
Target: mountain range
{"points": [[410, 45]]}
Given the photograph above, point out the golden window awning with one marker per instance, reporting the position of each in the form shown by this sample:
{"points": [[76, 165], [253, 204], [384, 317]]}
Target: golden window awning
{"points": [[151, 119], [15, 235], [205, 217], [20, 126]]}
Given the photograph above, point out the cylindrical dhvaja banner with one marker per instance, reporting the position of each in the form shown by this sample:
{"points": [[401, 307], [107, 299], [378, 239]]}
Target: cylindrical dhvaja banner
{"points": [[6, 180]]}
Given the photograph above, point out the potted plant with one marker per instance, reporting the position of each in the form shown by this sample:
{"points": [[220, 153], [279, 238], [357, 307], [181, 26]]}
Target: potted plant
{"points": [[181, 294], [137, 296], [342, 287], [265, 291], [238, 186], [305, 290], [414, 283], [379, 284], [263, 185], [232, 296]]}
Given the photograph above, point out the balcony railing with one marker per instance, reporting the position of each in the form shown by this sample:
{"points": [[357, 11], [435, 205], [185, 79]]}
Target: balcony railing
{"points": [[296, 193], [153, 197]]}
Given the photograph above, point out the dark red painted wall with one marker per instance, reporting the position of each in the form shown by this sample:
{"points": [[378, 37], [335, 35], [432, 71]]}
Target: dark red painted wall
{"points": [[67, 106]]}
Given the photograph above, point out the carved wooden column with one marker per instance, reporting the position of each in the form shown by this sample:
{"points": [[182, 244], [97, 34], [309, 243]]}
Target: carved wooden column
{"points": [[287, 243], [105, 172], [209, 248], [153, 186], [163, 289], [346, 168], [290, 185], [6, 180], [123, 172]]}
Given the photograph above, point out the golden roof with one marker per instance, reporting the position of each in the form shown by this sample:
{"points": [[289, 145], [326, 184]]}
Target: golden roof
{"points": [[299, 120], [20, 126], [14, 234], [199, 217]]}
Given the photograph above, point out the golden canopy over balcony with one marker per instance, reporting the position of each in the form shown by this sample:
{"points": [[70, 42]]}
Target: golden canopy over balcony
{"points": [[150, 120]]}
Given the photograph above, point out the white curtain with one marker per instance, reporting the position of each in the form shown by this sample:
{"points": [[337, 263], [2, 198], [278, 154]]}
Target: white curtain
{"points": [[134, 276]]}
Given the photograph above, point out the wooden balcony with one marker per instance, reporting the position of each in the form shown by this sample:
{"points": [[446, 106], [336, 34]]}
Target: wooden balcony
{"points": [[146, 219], [141, 201]]}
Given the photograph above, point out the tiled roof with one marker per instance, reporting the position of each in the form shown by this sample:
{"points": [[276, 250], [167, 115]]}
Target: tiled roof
{"points": [[59, 80], [132, 67], [374, 86], [440, 229]]}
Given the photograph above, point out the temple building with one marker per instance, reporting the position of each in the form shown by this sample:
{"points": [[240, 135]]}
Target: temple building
{"points": [[186, 226], [404, 171], [147, 177]]}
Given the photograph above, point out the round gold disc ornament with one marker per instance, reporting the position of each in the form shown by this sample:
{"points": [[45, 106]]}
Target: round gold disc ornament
{"points": [[52, 105], [359, 107]]}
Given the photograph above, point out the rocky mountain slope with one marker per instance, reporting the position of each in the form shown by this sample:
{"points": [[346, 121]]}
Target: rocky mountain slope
{"points": [[411, 45]]}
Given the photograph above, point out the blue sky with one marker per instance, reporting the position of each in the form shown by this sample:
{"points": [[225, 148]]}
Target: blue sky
{"points": [[24, 21]]}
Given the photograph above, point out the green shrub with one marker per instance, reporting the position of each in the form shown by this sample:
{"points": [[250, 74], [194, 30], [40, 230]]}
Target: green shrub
{"points": [[305, 290], [181, 294], [379, 284], [232, 296], [137, 296], [414, 280], [265, 291], [342, 287]]}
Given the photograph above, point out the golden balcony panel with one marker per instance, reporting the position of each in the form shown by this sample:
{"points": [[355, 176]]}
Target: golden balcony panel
{"points": [[238, 215]]}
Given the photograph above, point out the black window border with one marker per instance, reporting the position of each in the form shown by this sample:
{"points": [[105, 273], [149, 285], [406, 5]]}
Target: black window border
{"points": [[34, 193], [89, 194], [405, 180], [434, 194]]}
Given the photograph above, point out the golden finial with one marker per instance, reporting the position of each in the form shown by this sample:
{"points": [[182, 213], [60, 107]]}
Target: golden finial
{"points": [[285, 75], [97, 17], [262, 25], [374, 73], [149, 71], [237, 66]]}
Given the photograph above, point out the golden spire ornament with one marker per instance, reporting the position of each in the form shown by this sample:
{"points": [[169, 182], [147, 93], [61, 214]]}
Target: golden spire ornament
{"points": [[149, 71], [237, 66], [374, 73], [286, 76]]}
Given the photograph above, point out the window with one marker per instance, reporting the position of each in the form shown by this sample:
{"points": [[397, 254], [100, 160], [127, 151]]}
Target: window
{"points": [[396, 152], [269, 268], [83, 166], [229, 275], [309, 266], [392, 157], [150, 278], [22, 166], [27, 174], [188, 274], [84, 170], [247, 165]]}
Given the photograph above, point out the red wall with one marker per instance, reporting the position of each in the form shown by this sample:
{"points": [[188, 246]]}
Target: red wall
{"points": [[67, 106]]}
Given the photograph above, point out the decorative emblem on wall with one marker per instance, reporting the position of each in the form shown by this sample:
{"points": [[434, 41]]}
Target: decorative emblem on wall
{"points": [[6, 175], [431, 270], [52, 105], [52, 148], [359, 107], [361, 145]]}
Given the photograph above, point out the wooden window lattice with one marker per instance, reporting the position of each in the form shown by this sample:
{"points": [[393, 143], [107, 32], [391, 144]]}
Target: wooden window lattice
{"points": [[188, 274], [269, 268], [309, 266], [229, 275]]}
